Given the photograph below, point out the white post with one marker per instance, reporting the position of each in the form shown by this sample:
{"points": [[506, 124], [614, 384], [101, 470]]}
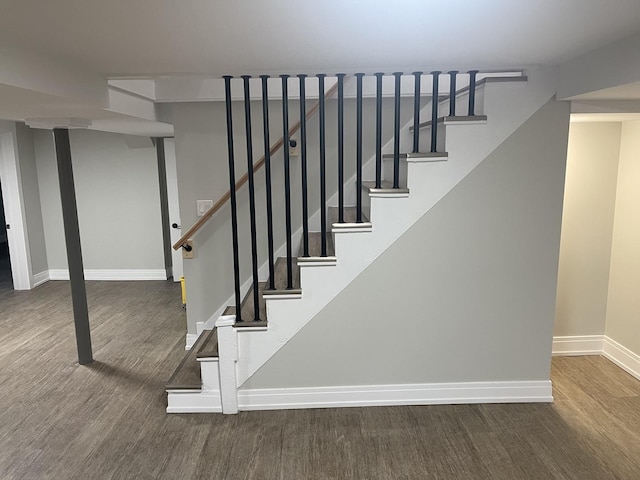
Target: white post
{"points": [[228, 356]]}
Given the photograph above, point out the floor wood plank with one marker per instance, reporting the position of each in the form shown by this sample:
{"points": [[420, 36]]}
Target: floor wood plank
{"points": [[59, 420]]}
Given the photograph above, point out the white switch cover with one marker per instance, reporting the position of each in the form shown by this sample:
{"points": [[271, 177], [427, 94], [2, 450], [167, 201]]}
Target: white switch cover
{"points": [[202, 206]]}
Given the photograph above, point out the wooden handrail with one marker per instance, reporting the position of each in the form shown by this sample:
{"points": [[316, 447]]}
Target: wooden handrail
{"points": [[256, 166]]}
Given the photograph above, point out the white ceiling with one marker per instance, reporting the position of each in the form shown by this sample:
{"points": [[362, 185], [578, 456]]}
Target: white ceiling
{"points": [[84, 40], [216, 37]]}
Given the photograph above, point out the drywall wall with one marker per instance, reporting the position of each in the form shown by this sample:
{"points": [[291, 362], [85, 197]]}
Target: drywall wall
{"points": [[609, 67], [467, 294], [623, 307], [31, 195], [587, 226], [202, 161], [118, 201]]}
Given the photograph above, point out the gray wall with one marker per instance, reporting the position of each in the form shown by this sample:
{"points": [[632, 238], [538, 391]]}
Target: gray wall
{"points": [[623, 309], [31, 196], [587, 228], [118, 201], [201, 152], [467, 294]]}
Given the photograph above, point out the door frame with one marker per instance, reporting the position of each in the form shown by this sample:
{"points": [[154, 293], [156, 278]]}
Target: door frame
{"points": [[12, 198]]}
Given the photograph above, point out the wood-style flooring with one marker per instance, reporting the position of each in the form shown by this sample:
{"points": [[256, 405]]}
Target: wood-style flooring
{"points": [[59, 420]]}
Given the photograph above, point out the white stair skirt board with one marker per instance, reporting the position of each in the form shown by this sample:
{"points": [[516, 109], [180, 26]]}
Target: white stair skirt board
{"points": [[578, 345], [622, 356], [112, 274], [507, 106], [385, 395]]}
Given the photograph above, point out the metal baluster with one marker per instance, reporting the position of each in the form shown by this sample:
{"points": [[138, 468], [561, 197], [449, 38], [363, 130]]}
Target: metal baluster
{"points": [[416, 112], [252, 198], [232, 193], [303, 167], [359, 147], [340, 147], [379, 76], [435, 102], [267, 175], [472, 92], [323, 179], [452, 93], [287, 178], [396, 132]]}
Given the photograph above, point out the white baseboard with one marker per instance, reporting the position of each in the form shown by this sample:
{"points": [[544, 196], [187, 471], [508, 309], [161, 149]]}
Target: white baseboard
{"points": [[622, 356], [191, 340], [578, 345], [193, 402], [112, 274], [385, 395], [40, 278]]}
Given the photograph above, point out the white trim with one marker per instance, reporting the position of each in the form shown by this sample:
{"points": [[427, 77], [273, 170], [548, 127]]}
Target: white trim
{"points": [[112, 274], [40, 278], [622, 356], [384, 395], [193, 402], [578, 345], [191, 340], [17, 235]]}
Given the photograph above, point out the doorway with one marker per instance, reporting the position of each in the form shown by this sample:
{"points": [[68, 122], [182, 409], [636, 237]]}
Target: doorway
{"points": [[5, 262]]}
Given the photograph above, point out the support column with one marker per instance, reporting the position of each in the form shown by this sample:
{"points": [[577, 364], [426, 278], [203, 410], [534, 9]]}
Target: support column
{"points": [[74, 251], [164, 206]]}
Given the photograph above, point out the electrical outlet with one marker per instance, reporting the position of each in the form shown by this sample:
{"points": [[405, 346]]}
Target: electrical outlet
{"points": [[188, 253]]}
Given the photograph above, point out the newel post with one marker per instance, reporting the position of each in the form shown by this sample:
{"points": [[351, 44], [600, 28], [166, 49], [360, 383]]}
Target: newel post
{"points": [[228, 356]]}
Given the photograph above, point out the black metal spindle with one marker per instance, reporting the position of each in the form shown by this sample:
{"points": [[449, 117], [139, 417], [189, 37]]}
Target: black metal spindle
{"points": [[359, 147], [287, 178], [340, 147], [452, 93], [416, 111], [267, 175], [252, 198], [232, 195], [303, 167], [323, 179], [472, 92], [435, 102], [379, 76], [396, 132]]}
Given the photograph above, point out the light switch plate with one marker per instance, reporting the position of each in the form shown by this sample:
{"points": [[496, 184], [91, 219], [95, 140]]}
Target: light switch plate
{"points": [[202, 206]]}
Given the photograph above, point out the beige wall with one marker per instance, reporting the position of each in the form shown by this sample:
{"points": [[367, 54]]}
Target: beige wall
{"points": [[467, 294], [587, 226], [118, 201], [623, 311]]}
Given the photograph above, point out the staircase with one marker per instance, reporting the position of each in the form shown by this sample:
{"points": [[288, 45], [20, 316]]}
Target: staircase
{"points": [[465, 125]]}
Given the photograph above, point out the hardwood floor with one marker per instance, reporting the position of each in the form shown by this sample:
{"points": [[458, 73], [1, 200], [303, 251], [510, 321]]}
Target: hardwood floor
{"points": [[59, 420]]}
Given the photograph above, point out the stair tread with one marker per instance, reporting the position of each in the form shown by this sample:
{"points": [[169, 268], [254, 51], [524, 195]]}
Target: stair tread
{"points": [[349, 215], [453, 120], [186, 376], [209, 347], [385, 187], [247, 306], [231, 310], [315, 245], [416, 155]]}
